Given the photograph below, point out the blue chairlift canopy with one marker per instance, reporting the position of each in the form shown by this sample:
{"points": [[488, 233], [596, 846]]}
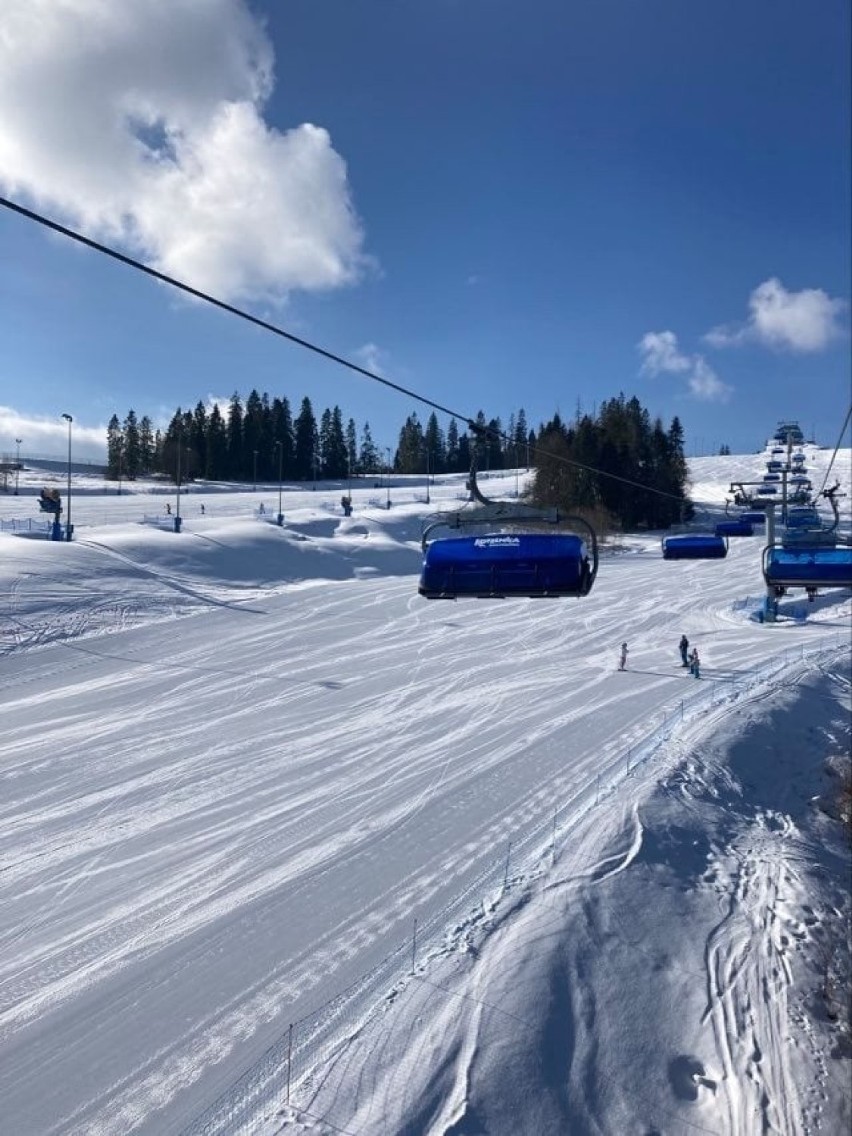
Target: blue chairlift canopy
{"points": [[753, 517], [507, 564], [694, 546], [735, 528], [772, 477], [774, 466], [810, 567]]}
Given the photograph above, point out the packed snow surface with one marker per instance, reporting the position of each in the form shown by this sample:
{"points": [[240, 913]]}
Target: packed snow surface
{"points": [[287, 847]]}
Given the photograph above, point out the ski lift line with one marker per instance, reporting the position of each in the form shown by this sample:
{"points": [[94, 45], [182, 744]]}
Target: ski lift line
{"points": [[132, 262], [836, 448], [231, 309]]}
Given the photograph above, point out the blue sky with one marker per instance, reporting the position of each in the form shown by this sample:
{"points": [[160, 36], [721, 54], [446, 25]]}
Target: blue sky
{"points": [[496, 205]]}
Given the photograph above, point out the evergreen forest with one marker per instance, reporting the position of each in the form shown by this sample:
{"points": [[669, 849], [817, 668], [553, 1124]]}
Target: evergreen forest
{"points": [[598, 465]]}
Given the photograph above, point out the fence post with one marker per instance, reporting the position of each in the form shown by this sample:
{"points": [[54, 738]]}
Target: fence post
{"points": [[289, 1058], [553, 845], [506, 872], [414, 945]]}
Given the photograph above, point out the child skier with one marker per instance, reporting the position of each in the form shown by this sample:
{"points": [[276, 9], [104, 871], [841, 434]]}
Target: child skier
{"points": [[695, 663], [622, 663]]}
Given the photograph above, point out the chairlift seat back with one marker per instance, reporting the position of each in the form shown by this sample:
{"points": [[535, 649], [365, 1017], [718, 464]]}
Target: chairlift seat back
{"points": [[500, 565], [739, 527]]}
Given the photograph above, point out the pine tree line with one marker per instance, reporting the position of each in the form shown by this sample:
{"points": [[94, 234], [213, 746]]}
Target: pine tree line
{"points": [[621, 441], [262, 441]]}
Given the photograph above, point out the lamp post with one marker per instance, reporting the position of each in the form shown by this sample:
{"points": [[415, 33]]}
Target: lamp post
{"points": [[387, 451], [427, 475], [255, 473], [177, 503], [280, 449], [120, 457], [68, 528], [17, 463]]}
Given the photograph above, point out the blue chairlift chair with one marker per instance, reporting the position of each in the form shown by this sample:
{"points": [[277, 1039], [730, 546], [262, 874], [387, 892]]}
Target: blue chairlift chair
{"points": [[513, 559], [501, 565], [811, 567], [694, 546]]}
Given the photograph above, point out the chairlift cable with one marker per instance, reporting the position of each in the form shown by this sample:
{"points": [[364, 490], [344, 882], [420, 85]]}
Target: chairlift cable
{"points": [[266, 325]]}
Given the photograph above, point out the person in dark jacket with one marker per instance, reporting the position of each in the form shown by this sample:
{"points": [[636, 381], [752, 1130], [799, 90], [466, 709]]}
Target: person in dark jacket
{"points": [[684, 647]]}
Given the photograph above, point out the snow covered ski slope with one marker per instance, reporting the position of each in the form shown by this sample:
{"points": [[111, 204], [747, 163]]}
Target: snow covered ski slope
{"points": [[239, 763]]}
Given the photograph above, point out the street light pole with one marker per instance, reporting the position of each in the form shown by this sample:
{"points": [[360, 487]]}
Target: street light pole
{"points": [[280, 449], [17, 463], [255, 473], [427, 475], [68, 528], [387, 451], [177, 504], [120, 457]]}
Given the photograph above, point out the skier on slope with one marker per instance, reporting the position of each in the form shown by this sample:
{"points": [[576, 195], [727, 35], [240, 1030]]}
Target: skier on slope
{"points": [[684, 647], [695, 663], [622, 662]]}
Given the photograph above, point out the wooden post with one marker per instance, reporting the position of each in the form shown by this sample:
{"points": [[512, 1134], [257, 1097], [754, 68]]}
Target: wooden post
{"points": [[289, 1059]]}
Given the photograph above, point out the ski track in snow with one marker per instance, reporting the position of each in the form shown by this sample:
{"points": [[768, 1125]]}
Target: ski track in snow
{"points": [[211, 824]]}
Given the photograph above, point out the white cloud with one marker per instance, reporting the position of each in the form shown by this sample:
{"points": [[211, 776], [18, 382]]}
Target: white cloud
{"points": [[371, 357], [142, 123], [42, 435], [661, 355], [796, 321]]}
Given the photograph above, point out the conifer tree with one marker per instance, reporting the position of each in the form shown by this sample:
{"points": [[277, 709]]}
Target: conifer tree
{"points": [[216, 445], [368, 458], [131, 450], [306, 455], [282, 431], [147, 446], [235, 438], [115, 445]]}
